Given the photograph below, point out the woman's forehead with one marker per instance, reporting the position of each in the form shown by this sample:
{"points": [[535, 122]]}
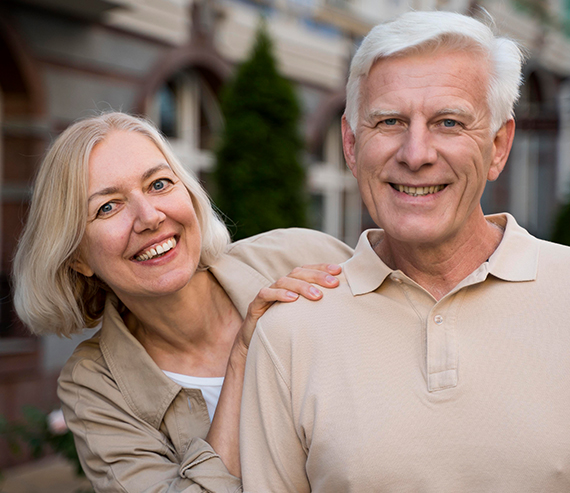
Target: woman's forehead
{"points": [[123, 155]]}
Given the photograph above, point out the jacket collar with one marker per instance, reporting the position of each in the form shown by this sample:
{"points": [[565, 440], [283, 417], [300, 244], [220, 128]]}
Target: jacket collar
{"points": [[147, 390], [514, 260]]}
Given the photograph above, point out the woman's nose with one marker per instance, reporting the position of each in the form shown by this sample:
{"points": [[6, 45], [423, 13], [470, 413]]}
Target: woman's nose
{"points": [[147, 215], [416, 149]]}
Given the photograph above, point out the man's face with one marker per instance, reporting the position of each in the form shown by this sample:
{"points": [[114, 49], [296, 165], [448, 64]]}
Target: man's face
{"points": [[423, 149]]}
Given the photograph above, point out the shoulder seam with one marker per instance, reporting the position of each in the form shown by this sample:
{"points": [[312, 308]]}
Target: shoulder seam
{"points": [[271, 354]]}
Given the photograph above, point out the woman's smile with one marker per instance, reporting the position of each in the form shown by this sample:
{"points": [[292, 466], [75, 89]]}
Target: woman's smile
{"points": [[156, 250]]}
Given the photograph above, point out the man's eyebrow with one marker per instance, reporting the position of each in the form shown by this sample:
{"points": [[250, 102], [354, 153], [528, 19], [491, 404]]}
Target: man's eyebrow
{"points": [[146, 175], [454, 111], [383, 114]]}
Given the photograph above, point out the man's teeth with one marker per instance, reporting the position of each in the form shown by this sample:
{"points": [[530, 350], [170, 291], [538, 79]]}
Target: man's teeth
{"points": [[419, 191], [158, 250]]}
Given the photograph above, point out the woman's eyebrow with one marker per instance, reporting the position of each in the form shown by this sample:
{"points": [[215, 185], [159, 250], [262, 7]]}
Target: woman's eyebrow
{"points": [[104, 191], [151, 171], [146, 175]]}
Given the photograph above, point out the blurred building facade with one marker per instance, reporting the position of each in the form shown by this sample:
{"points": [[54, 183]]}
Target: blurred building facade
{"points": [[61, 60]]}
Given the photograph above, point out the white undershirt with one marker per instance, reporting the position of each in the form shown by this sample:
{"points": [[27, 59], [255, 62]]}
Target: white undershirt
{"points": [[210, 387]]}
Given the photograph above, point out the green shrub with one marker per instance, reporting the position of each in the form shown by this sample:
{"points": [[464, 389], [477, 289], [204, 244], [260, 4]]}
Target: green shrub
{"points": [[562, 225]]}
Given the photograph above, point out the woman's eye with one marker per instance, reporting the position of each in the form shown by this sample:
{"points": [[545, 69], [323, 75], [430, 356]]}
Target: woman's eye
{"points": [[105, 209], [160, 184]]}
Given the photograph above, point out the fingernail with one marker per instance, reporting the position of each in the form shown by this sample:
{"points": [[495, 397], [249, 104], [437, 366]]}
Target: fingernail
{"points": [[330, 279], [314, 291], [291, 295], [334, 267]]}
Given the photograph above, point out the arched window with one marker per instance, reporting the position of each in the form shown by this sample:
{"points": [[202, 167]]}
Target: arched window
{"points": [[187, 111], [336, 207]]}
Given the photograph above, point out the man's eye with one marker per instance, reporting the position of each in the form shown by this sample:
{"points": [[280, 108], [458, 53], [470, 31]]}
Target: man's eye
{"points": [[160, 184], [449, 123], [390, 121]]}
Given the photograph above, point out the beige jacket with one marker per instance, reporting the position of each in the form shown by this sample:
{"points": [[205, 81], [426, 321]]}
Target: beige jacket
{"points": [[135, 429]]}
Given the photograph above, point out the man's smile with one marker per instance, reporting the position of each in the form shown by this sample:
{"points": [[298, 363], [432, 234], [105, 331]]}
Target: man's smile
{"points": [[418, 191]]}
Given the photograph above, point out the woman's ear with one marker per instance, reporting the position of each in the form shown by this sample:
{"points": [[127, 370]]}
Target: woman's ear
{"points": [[80, 266]]}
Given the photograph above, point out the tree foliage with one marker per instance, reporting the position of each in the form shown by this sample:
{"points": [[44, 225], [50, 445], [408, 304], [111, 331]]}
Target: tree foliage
{"points": [[259, 179], [562, 225]]}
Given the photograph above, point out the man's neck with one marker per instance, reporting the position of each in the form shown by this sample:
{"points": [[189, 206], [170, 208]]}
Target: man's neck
{"points": [[438, 269]]}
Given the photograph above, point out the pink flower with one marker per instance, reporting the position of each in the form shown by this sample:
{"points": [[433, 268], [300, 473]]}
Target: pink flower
{"points": [[56, 422]]}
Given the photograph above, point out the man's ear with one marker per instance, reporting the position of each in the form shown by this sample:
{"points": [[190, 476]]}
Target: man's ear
{"points": [[501, 148], [348, 145], [80, 266]]}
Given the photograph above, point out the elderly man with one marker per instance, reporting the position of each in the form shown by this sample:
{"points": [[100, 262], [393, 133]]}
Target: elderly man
{"points": [[442, 362]]}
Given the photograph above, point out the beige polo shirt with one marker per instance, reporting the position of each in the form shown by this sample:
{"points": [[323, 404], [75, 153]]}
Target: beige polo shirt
{"points": [[379, 388]]}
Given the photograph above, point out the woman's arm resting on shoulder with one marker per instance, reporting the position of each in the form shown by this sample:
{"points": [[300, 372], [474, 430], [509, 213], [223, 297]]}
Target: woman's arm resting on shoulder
{"points": [[224, 432]]}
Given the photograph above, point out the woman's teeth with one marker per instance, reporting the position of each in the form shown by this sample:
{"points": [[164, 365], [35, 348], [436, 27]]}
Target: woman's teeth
{"points": [[158, 250], [419, 191]]}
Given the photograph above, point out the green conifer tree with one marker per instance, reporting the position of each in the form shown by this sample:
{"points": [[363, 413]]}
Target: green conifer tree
{"points": [[259, 179]]}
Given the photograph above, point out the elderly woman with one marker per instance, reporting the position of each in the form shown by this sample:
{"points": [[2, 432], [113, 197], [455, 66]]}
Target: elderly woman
{"points": [[120, 234]]}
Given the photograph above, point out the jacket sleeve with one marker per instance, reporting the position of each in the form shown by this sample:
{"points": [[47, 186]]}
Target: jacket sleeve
{"points": [[272, 455], [276, 253], [120, 452]]}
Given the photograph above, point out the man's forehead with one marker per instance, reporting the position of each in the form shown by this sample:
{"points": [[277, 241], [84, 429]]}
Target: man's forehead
{"points": [[461, 75]]}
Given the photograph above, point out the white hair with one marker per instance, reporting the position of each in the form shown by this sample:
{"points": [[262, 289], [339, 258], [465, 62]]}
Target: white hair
{"points": [[427, 32]]}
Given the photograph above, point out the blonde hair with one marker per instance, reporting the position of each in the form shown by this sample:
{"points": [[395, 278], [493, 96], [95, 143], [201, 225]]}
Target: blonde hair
{"points": [[50, 296]]}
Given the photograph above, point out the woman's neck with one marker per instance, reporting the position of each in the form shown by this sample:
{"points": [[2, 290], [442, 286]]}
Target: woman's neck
{"points": [[189, 332]]}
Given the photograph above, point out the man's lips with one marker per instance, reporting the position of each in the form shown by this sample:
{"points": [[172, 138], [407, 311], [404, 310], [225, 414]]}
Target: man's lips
{"points": [[417, 191]]}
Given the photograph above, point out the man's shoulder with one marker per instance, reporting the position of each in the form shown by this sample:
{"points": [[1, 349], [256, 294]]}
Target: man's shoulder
{"points": [[557, 249], [554, 267], [304, 319]]}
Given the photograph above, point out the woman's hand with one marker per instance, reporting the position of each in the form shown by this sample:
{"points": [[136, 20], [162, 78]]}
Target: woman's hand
{"points": [[298, 282], [223, 434]]}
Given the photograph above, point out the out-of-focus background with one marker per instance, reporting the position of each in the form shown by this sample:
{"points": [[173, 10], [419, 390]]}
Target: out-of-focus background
{"points": [[61, 60]]}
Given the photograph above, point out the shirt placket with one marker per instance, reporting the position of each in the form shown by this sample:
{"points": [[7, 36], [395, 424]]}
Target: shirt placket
{"points": [[440, 322], [442, 352]]}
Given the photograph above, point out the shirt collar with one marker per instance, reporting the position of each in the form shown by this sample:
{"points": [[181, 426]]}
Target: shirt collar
{"points": [[514, 260], [365, 271], [516, 257], [147, 390]]}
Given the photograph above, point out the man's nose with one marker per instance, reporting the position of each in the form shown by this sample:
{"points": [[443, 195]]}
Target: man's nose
{"points": [[147, 215], [417, 147]]}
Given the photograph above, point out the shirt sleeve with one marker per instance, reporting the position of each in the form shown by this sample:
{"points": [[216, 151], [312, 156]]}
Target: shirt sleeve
{"points": [[272, 455], [120, 452]]}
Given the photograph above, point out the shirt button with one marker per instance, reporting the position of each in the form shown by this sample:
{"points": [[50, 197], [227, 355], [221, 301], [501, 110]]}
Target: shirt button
{"points": [[438, 319]]}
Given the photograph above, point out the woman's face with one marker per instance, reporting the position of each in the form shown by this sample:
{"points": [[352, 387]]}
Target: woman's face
{"points": [[142, 236]]}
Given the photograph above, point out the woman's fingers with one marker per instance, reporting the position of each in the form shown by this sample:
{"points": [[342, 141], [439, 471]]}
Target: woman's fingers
{"points": [[322, 274], [298, 283]]}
